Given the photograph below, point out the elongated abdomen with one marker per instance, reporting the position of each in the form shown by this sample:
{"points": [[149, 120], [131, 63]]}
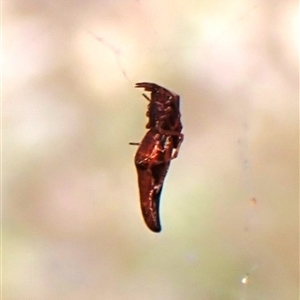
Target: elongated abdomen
{"points": [[149, 199]]}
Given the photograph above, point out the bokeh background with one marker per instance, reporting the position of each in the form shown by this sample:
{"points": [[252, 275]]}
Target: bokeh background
{"points": [[72, 227]]}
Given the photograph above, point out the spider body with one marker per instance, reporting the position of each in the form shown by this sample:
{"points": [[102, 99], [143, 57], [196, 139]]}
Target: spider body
{"points": [[159, 146]]}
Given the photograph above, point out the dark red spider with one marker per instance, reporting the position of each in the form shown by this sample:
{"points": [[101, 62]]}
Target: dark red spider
{"points": [[159, 146]]}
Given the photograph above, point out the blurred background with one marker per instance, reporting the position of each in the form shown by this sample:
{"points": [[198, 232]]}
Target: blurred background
{"points": [[72, 226]]}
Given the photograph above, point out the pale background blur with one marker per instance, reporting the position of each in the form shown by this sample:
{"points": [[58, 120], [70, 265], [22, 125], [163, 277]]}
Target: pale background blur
{"points": [[72, 226]]}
